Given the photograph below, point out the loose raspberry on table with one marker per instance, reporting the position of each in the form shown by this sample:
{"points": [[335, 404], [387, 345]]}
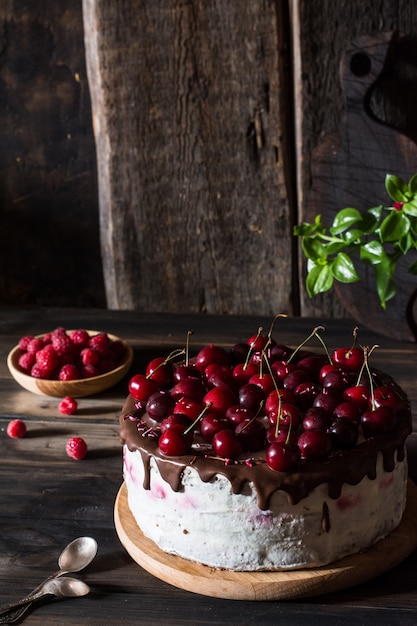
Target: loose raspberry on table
{"points": [[16, 429], [76, 448], [67, 406], [69, 372]]}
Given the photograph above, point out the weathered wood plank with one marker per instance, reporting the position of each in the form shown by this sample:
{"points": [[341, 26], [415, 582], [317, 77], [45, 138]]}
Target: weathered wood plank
{"points": [[191, 138], [353, 127]]}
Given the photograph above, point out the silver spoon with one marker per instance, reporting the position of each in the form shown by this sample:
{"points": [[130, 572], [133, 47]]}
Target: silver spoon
{"points": [[58, 587], [74, 557]]}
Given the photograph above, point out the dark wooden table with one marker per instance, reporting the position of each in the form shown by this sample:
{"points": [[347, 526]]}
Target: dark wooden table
{"points": [[47, 499]]}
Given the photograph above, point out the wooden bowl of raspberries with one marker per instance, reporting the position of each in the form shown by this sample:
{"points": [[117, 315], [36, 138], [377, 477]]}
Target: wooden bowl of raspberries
{"points": [[73, 363]]}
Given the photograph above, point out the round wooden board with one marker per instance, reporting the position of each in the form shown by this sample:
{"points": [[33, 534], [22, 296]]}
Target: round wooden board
{"points": [[217, 583]]}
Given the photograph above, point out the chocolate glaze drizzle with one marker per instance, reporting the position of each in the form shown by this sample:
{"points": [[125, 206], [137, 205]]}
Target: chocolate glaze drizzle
{"points": [[349, 466]]}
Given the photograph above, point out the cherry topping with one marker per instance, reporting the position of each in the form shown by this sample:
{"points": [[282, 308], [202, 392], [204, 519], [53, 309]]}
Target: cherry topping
{"points": [[141, 387], [379, 420], [211, 354], [282, 457], [344, 433], [173, 443], [211, 424], [314, 444], [160, 405], [226, 444]]}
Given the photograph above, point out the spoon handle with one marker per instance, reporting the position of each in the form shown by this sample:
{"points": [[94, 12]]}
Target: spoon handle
{"points": [[14, 615]]}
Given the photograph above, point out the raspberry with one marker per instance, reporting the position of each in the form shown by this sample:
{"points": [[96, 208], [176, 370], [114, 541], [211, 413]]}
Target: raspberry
{"points": [[89, 356], [76, 448], [67, 406], [80, 337], [35, 345], [62, 343], [26, 360], [47, 359], [89, 370], [24, 342], [16, 429], [100, 343], [39, 372], [106, 364], [69, 372]]}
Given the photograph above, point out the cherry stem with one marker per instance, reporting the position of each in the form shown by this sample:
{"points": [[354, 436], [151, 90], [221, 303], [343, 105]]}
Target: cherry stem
{"points": [[355, 337], [187, 346], [314, 333], [363, 364], [172, 355], [250, 351], [252, 419], [198, 418], [273, 323], [366, 354]]}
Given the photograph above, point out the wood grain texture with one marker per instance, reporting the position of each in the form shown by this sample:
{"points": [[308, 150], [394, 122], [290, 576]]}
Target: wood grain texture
{"points": [[49, 240], [48, 499], [353, 129], [190, 129]]}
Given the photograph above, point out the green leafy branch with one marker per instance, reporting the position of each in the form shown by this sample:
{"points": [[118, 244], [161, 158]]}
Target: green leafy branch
{"points": [[379, 237]]}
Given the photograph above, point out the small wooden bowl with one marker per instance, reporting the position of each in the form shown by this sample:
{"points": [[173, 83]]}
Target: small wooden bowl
{"points": [[73, 388]]}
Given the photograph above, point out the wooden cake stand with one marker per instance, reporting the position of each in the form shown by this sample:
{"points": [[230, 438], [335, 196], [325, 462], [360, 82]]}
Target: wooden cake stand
{"points": [[217, 583]]}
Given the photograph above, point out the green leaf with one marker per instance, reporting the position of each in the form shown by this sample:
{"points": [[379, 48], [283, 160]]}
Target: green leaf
{"points": [[410, 207], [343, 269], [395, 226], [412, 184], [397, 189], [344, 219], [319, 279], [313, 248], [373, 252], [371, 219], [405, 243], [385, 283]]}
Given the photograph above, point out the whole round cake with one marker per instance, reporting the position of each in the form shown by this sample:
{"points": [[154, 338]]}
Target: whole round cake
{"points": [[265, 457]]}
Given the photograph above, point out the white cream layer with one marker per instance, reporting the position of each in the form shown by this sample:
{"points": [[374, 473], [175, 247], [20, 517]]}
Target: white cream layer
{"points": [[208, 523]]}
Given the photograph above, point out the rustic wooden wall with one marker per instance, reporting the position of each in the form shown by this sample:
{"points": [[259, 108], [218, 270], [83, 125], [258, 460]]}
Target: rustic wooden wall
{"points": [[193, 136], [49, 240]]}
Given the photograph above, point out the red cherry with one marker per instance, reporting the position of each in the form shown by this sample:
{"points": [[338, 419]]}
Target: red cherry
{"points": [[189, 388], [272, 402], [312, 365], [178, 421], [257, 342], [221, 377], [212, 423], [358, 394], [379, 420], [344, 433], [159, 405], [349, 358], [314, 444], [173, 443], [264, 381], [251, 433], [242, 372], [281, 369], [226, 444], [181, 372], [211, 354], [326, 369], [236, 414], [282, 457], [316, 418], [347, 409], [282, 435], [220, 398], [305, 394], [289, 416], [160, 371], [295, 378], [251, 396], [187, 406], [386, 396], [141, 387]]}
